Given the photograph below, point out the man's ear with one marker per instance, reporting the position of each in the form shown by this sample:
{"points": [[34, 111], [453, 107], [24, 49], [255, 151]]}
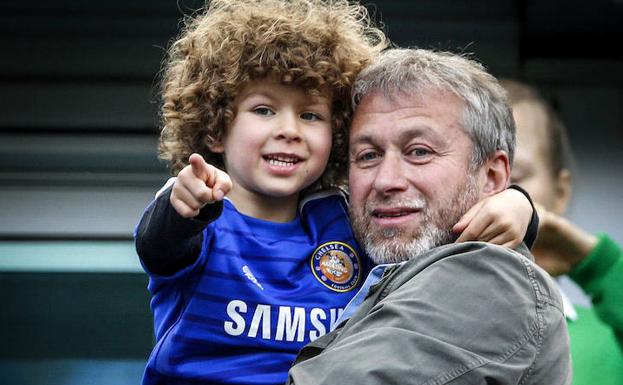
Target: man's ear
{"points": [[497, 173], [563, 192]]}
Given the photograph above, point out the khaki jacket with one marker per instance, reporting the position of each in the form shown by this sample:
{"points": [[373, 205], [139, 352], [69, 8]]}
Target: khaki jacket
{"points": [[470, 313]]}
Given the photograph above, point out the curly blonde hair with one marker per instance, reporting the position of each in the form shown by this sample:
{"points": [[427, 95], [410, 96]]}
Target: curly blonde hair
{"points": [[317, 45]]}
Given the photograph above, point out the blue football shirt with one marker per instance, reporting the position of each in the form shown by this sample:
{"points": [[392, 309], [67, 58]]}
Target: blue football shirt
{"points": [[258, 292]]}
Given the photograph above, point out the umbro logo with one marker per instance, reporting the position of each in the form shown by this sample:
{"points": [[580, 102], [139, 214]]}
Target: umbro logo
{"points": [[247, 272]]}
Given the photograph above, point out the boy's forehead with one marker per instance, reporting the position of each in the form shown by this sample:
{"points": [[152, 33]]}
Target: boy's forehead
{"points": [[272, 87]]}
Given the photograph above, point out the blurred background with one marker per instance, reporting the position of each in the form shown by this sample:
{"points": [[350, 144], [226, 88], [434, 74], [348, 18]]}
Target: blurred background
{"points": [[78, 162]]}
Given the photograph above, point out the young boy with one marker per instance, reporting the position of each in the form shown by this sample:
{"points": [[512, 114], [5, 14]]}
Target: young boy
{"points": [[260, 89]]}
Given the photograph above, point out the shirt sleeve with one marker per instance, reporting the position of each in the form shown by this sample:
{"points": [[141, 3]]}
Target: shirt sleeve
{"points": [[167, 242], [600, 275], [533, 227]]}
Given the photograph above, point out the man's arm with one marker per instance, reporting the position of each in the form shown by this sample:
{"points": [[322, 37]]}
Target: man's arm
{"points": [[465, 318]]}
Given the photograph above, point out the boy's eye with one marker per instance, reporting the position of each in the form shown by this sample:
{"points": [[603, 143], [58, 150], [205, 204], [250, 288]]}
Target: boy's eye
{"points": [[265, 111], [309, 116]]}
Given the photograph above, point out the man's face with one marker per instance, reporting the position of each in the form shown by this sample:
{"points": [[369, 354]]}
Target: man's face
{"points": [[410, 178], [531, 168]]}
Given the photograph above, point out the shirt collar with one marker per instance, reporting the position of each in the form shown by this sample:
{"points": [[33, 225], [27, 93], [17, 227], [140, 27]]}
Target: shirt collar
{"points": [[567, 307]]}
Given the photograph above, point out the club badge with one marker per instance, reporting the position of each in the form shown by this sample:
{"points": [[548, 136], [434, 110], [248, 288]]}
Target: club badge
{"points": [[336, 265]]}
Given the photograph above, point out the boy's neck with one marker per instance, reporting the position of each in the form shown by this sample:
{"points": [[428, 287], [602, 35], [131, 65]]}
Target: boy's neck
{"points": [[273, 209]]}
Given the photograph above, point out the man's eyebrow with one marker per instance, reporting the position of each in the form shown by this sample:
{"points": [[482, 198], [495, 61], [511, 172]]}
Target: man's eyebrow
{"points": [[362, 139], [406, 135]]}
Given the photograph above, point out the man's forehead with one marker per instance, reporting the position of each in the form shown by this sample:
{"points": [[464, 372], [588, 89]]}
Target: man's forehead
{"points": [[400, 134], [414, 97], [406, 115]]}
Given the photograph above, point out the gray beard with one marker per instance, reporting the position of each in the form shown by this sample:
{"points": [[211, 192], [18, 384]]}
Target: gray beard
{"points": [[394, 245]]}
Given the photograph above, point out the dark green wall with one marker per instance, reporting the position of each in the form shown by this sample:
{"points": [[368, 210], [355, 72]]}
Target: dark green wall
{"points": [[74, 315]]}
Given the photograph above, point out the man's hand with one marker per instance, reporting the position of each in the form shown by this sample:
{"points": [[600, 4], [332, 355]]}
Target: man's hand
{"points": [[501, 219], [561, 244], [197, 185]]}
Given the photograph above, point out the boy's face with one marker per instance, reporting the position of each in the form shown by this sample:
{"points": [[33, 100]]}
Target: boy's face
{"points": [[279, 141]]}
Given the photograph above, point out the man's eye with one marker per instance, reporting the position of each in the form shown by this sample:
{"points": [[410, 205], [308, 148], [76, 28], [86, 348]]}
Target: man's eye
{"points": [[420, 152], [367, 156], [265, 111], [309, 116]]}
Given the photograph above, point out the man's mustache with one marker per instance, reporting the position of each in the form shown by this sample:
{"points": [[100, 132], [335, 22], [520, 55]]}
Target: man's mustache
{"points": [[375, 205]]}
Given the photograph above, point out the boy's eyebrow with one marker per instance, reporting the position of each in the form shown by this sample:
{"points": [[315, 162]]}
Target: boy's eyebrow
{"points": [[269, 93], [321, 100], [258, 92]]}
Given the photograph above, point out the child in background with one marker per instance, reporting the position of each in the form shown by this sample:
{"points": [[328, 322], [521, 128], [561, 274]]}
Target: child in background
{"points": [[260, 89]]}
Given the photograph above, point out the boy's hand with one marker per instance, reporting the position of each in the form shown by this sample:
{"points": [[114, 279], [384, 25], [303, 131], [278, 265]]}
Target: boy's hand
{"points": [[197, 185], [502, 219], [561, 244]]}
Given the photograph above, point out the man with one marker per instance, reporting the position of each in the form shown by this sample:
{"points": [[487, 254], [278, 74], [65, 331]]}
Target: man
{"points": [[594, 262], [432, 135]]}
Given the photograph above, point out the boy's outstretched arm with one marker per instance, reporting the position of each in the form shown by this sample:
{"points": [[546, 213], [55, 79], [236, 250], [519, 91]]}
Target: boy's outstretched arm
{"points": [[168, 236], [198, 184], [507, 218]]}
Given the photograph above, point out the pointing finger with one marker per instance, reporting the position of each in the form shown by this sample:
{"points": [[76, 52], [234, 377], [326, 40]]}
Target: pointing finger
{"points": [[199, 166]]}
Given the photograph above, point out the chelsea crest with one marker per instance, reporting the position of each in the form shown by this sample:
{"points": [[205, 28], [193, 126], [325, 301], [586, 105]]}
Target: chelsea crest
{"points": [[336, 265]]}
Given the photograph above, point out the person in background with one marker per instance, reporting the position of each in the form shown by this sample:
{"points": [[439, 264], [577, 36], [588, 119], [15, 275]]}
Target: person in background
{"points": [[594, 262]]}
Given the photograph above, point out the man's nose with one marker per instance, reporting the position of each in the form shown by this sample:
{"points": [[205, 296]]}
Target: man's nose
{"points": [[288, 128], [390, 177]]}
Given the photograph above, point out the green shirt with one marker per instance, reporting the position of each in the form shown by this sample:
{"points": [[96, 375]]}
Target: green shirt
{"points": [[597, 334]]}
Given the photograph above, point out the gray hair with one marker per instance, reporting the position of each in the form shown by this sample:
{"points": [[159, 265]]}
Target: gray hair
{"points": [[487, 117]]}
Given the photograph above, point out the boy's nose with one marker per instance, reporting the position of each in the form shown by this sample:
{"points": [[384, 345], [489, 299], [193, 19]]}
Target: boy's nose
{"points": [[288, 128]]}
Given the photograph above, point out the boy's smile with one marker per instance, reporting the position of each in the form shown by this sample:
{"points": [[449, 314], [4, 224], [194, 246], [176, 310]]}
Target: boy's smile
{"points": [[278, 144], [282, 164]]}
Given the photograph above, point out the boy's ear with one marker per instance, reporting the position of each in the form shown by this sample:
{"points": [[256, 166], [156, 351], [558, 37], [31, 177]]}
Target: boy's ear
{"points": [[497, 174], [217, 147]]}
